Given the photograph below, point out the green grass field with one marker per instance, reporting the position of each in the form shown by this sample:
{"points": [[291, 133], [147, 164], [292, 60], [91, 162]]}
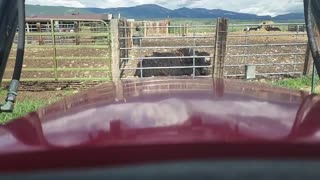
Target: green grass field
{"points": [[303, 83], [241, 24], [29, 103], [21, 109], [205, 21]]}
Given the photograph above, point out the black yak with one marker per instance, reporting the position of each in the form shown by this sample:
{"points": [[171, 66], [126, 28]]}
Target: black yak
{"points": [[174, 62], [272, 28]]}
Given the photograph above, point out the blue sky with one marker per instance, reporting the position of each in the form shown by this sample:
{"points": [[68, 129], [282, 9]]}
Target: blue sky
{"points": [[260, 7]]}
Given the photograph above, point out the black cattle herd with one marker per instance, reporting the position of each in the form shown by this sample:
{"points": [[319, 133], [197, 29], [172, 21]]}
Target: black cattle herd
{"points": [[258, 28]]}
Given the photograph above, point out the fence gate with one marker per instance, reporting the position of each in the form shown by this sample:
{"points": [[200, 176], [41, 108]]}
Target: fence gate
{"points": [[240, 51], [65, 50], [165, 50]]}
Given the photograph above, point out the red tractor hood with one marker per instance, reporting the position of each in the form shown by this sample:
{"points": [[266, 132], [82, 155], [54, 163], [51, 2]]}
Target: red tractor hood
{"points": [[229, 118]]}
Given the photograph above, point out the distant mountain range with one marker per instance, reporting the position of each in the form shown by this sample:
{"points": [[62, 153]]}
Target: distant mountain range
{"points": [[149, 11]]}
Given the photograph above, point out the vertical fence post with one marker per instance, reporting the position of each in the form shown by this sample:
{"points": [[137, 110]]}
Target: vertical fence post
{"points": [[297, 48], [38, 25], [220, 47], [314, 84], [53, 37], [308, 62], [145, 29], [131, 30], [193, 51], [187, 29], [77, 30], [246, 48], [158, 28], [28, 27], [126, 41], [115, 49], [167, 29]]}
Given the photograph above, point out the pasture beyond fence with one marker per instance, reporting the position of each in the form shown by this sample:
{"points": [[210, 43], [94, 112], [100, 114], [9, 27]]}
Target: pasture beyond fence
{"points": [[95, 50]]}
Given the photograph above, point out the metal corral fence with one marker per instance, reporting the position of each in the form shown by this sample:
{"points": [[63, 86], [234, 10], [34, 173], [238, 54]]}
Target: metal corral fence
{"points": [[72, 50], [263, 51], [83, 49], [174, 52]]}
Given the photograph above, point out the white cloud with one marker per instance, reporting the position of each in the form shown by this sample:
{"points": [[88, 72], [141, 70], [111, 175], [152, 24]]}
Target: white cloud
{"points": [[261, 7], [276, 8], [69, 3]]}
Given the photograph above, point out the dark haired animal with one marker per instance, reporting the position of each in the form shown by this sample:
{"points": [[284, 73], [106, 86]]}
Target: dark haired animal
{"points": [[175, 62], [272, 28], [253, 28]]}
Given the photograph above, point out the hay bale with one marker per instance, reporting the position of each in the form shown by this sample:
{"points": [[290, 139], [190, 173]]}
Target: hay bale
{"points": [[172, 62]]}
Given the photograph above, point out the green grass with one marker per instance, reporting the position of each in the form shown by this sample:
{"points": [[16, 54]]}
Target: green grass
{"points": [[210, 21], [303, 83], [23, 107], [205, 21]]}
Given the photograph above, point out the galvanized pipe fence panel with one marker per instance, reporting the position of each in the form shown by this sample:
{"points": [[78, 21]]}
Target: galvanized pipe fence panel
{"points": [[82, 50], [176, 51], [66, 50], [272, 49]]}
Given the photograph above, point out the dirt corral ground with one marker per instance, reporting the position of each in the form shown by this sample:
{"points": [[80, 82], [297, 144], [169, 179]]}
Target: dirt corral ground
{"points": [[39, 63], [257, 45]]}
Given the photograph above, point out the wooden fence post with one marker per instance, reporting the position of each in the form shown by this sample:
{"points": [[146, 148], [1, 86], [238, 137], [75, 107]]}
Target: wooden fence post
{"points": [[220, 47], [219, 56], [130, 35], [38, 25], [77, 30], [145, 29], [308, 62], [187, 30], [115, 49], [167, 29]]}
